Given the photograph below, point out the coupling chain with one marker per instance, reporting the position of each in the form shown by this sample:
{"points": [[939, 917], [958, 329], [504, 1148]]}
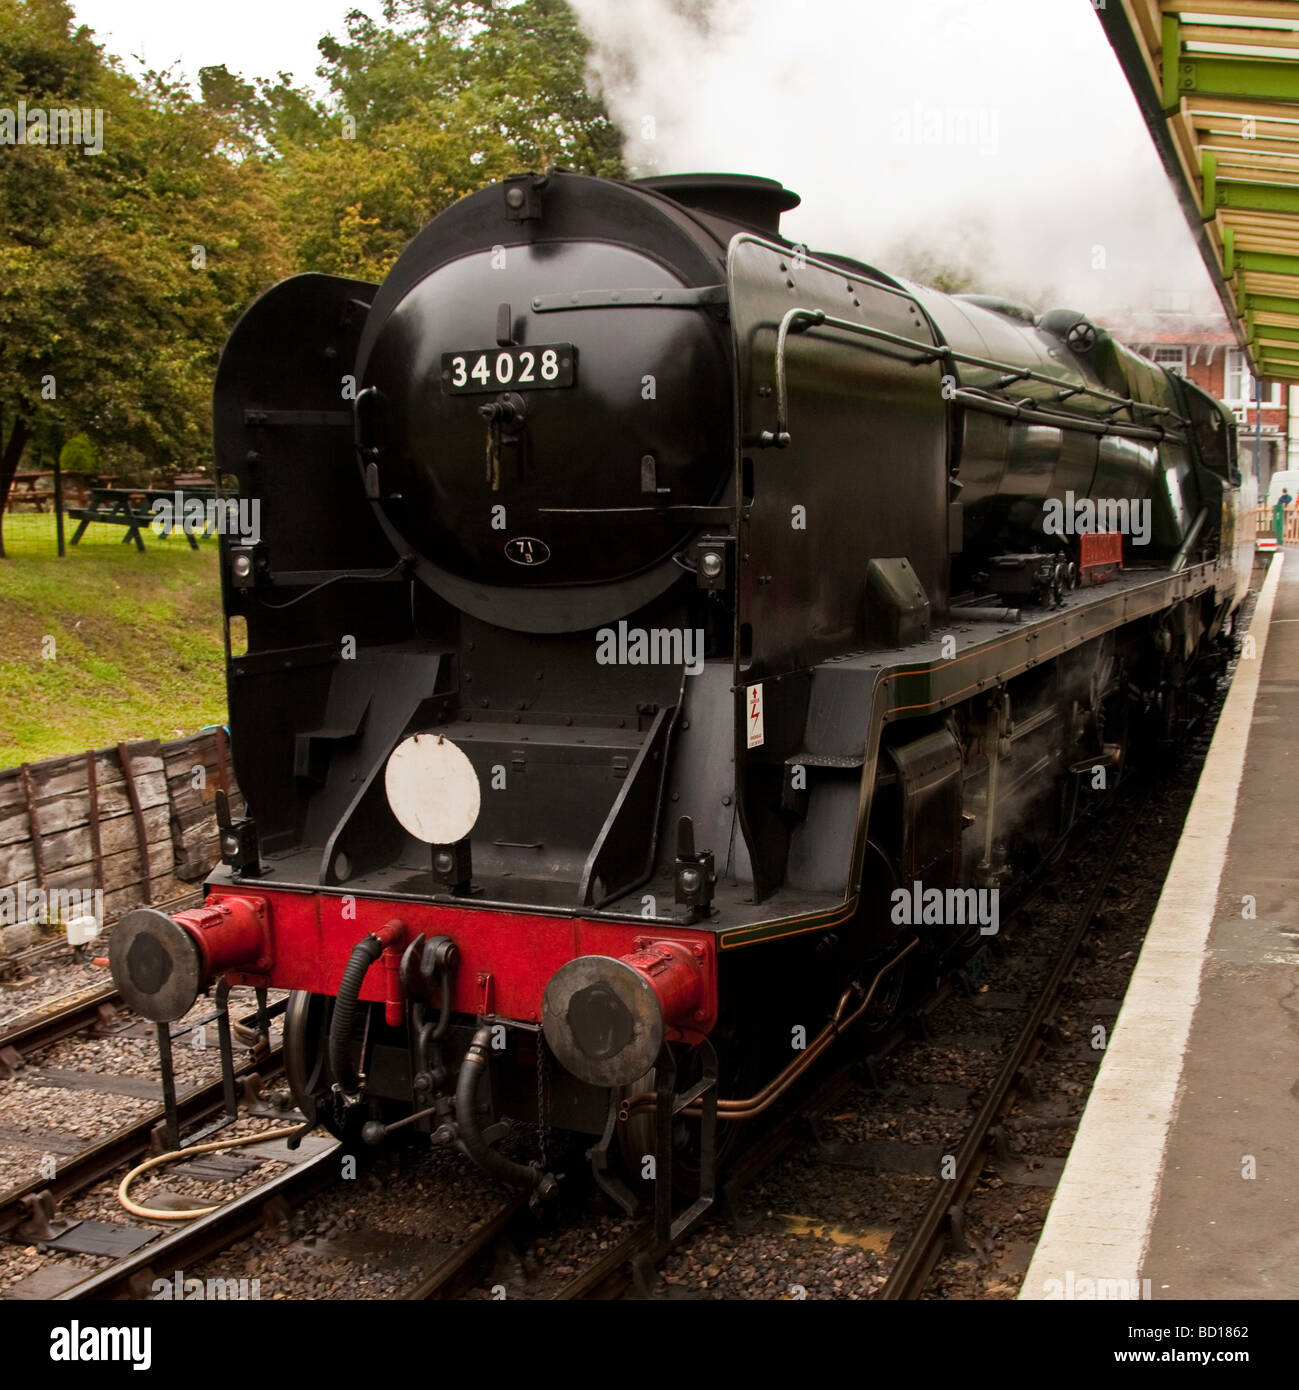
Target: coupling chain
{"points": [[543, 1098]]}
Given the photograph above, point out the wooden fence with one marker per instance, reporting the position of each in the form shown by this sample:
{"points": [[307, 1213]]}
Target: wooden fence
{"points": [[1263, 525], [137, 822]]}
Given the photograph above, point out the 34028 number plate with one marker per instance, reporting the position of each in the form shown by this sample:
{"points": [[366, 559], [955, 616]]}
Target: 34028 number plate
{"points": [[508, 368]]}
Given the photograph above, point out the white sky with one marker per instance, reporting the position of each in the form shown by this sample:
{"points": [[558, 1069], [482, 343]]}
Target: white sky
{"points": [[996, 134], [256, 38], [840, 99]]}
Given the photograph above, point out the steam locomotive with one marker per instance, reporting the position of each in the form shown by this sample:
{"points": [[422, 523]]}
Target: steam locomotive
{"points": [[641, 603]]}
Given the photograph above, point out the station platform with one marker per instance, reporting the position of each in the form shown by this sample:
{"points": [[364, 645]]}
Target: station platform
{"points": [[1181, 1183]]}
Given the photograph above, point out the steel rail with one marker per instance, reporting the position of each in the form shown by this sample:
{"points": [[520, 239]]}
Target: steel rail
{"points": [[448, 1277], [56, 1018], [42, 949], [81, 1171], [611, 1275], [914, 1265], [615, 1272], [207, 1236]]}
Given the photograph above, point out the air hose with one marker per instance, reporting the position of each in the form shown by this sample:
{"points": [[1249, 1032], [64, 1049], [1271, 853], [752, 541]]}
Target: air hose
{"points": [[364, 954], [472, 1070], [154, 1213]]}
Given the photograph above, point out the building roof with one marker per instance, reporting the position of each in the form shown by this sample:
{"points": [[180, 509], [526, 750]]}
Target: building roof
{"points": [[1152, 326], [1218, 84]]}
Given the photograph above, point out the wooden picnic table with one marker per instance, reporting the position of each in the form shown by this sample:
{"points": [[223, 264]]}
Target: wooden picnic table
{"points": [[25, 489], [125, 506]]}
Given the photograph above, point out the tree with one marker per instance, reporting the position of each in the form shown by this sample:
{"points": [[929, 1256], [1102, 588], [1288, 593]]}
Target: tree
{"points": [[120, 271], [432, 102], [79, 455]]}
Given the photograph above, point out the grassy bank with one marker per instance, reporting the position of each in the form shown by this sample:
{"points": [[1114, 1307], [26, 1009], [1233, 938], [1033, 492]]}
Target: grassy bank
{"points": [[107, 644]]}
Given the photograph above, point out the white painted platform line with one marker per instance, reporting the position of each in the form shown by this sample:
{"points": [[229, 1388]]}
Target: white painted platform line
{"points": [[1099, 1223]]}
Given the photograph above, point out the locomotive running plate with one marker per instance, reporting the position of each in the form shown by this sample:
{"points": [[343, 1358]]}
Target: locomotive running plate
{"points": [[519, 368]]}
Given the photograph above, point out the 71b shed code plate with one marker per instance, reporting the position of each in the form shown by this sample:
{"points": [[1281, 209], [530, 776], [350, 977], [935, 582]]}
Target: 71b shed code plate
{"points": [[514, 368]]}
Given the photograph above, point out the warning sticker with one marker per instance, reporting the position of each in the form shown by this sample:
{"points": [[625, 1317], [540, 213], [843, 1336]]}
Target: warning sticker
{"points": [[754, 701]]}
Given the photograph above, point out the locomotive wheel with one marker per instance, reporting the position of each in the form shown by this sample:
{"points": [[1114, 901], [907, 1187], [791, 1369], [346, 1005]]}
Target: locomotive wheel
{"points": [[305, 1039], [1059, 583]]}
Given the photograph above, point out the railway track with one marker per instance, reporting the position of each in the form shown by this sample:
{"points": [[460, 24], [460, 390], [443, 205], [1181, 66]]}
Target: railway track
{"points": [[29, 1201], [268, 1208], [631, 1267], [94, 1008], [30, 1210], [942, 1217], [206, 1236], [464, 1266], [628, 1269]]}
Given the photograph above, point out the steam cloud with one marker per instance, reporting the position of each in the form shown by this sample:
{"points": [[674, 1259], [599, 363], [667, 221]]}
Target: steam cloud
{"points": [[996, 139]]}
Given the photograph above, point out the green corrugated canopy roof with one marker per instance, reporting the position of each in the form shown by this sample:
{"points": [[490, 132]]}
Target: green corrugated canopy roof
{"points": [[1218, 84]]}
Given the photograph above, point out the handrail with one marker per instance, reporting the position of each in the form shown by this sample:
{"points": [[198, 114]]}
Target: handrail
{"points": [[799, 320]]}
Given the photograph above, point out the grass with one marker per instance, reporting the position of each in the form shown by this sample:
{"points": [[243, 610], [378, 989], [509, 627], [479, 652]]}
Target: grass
{"points": [[107, 644]]}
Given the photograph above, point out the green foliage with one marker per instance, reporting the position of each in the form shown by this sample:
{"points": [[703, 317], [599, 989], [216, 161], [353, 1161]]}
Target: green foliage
{"points": [[121, 272], [263, 116], [438, 99], [79, 455], [111, 319]]}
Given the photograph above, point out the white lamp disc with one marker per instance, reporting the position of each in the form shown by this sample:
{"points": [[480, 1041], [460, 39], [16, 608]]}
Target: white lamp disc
{"points": [[432, 789]]}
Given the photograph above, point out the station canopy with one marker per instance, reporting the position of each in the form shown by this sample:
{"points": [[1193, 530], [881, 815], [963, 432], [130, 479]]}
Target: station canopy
{"points": [[1218, 84]]}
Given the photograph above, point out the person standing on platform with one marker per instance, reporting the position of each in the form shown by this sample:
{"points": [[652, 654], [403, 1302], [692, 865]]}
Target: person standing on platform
{"points": [[1278, 515]]}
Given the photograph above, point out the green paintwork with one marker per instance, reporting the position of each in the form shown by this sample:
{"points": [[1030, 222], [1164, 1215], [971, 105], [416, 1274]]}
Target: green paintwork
{"points": [[1242, 78], [1209, 174], [1172, 44], [1256, 197], [1269, 262], [1270, 304], [1252, 79], [1287, 335]]}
